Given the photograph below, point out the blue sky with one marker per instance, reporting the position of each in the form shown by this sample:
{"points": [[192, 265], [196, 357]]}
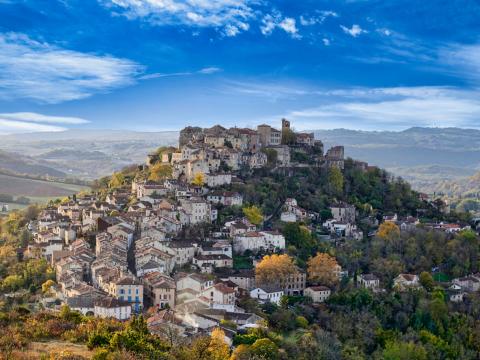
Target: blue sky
{"points": [[152, 65]]}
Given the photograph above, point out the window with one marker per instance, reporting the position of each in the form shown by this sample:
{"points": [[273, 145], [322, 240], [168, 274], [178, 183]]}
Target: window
{"points": [[136, 291], [122, 291]]}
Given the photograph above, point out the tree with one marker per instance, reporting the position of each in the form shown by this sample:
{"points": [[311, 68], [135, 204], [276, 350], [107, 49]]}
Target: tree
{"points": [[335, 181], [13, 282], [253, 214], [160, 172], [323, 269], [426, 280], [117, 180], [198, 179], [264, 349], [404, 351], [274, 269], [47, 285], [288, 137], [218, 348], [388, 231]]}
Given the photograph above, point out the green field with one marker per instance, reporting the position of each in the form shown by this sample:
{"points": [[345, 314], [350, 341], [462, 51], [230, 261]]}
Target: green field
{"points": [[38, 191]]}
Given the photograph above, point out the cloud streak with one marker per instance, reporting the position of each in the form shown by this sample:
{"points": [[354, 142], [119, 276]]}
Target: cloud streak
{"points": [[22, 122], [49, 74], [231, 15]]}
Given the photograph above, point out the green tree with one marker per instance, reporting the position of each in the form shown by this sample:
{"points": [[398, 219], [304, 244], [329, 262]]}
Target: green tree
{"points": [[335, 181], [265, 349], [426, 280]]}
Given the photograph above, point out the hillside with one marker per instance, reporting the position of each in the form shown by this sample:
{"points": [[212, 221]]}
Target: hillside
{"points": [[426, 157]]}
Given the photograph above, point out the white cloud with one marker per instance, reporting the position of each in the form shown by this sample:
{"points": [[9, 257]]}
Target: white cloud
{"points": [[47, 73], [40, 118], [326, 42], [275, 20], [317, 19], [231, 15], [12, 126], [204, 71], [354, 31], [22, 122], [461, 60], [392, 108], [209, 70]]}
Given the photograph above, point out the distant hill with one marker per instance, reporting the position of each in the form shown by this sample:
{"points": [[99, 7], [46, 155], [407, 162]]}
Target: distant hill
{"points": [[18, 164], [425, 157], [84, 154]]}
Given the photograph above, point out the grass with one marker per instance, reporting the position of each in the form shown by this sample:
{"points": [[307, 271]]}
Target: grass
{"points": [[441, 277], [242, 262], [39, 350]]}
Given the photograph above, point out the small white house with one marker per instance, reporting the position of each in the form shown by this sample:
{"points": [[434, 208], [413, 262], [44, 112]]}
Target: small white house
{"points": [[318, 294], [113, 308], [267, 295]]}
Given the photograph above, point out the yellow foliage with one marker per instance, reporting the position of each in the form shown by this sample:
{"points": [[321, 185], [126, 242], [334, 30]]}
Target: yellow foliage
{"points": [[323, 269], [116, 180], [160, 172], [388, 231], [47, 285], [274, 269], [253, 214], [7, 251], [198, 179], [218, 348]]}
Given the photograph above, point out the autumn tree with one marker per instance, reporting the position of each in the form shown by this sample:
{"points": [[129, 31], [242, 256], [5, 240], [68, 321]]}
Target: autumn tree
{"points": [[218, 348], [198, 179], [160, 172], [253, 214], [274, 269], [323, 269], [47, 285], [116, 180], [388, 231]]}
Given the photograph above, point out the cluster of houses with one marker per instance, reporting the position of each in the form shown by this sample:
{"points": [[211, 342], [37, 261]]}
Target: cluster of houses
{"points": [[216, 152], [134, 250]]}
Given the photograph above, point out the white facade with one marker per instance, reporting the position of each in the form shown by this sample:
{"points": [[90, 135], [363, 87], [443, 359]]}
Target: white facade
{"points": [[267, 296]]}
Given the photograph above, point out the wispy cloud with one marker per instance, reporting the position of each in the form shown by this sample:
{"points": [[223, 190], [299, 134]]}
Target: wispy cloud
{"points": [[393, 108], [204, 71], [49, 74], [354, 31], [11, 126], [40, 118], [231, 15], [34, 122]]}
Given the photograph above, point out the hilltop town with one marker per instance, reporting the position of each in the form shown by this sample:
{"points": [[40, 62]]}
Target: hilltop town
{"points": [[210, 234]]}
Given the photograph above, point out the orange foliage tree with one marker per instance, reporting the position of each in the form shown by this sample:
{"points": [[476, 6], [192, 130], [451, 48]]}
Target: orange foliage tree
{"points": [[274, 269], [388, 231], [323, 269]]}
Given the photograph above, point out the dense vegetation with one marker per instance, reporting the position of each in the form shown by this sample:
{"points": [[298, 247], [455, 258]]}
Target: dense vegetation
{"points": [[354, 323]]}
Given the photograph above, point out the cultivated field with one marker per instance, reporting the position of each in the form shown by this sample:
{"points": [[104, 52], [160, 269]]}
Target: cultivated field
{"points": [[37, 191]]}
